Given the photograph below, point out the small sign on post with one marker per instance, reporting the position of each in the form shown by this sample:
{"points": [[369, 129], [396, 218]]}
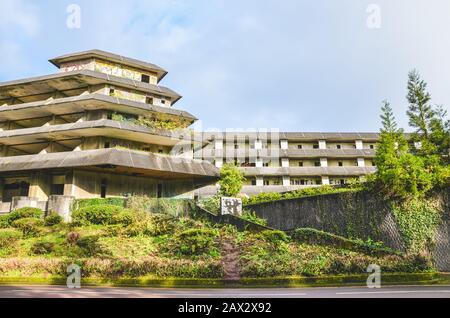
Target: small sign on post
{"points": [[230, 205]]}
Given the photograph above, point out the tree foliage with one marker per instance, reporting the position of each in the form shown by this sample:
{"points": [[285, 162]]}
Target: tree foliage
{"points": [[231, 180]]}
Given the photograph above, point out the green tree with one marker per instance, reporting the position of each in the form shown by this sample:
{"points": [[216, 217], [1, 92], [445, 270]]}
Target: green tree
{"points": [[420, 112], [440, 132], [388, 119], [231, 180]]}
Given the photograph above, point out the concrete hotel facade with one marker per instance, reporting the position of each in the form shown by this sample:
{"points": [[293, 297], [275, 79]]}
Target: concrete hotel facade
{"points": [[281, 161], [100, 127]]}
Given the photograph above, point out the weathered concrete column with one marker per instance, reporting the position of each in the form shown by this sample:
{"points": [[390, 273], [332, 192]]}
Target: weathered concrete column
{"points": [[61, 204], [39, 186], [69, 184]]}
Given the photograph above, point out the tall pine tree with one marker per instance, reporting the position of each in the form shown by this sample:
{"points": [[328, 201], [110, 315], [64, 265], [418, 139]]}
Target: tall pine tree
{"points": [[388, 119]]}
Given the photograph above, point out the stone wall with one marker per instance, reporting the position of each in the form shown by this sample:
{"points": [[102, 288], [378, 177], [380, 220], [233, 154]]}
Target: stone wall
{"points": [[352, 214]]}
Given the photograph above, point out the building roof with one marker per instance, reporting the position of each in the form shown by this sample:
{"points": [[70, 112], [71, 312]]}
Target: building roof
{"points": [[57, 61], [81, 103], [73, 80], [114, 161]]}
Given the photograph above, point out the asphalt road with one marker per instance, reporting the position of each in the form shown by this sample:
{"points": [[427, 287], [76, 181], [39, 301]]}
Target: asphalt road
{"points": [[317, 292]]}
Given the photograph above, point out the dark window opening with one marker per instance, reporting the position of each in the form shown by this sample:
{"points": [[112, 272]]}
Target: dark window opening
{"points": [[149, 100], [299, 146], [111, 91], [317, 163], [338, 146], [57, 189], [159, 191], [103, 186], [316, 147], [300, 163], [266, 182], [160, 151], [163, 101], [340, 164], [145, 78], [109, 116], [253, 182], [342, 181], [371, 146], [107, 144]]}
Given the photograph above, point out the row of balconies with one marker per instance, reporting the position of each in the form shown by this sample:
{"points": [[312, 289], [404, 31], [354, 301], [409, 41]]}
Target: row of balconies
{"points": [[286, 180]]}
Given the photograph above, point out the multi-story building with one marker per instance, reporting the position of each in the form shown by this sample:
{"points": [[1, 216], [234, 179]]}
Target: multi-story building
{"points": [[100, 127], [281, 161]]}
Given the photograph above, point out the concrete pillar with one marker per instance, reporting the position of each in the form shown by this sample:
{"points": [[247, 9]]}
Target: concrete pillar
{"points": [[323, 162], [69, 184], [359, 144], [361, 162], [325, 180], [286, 181], [218, 144], [40, 184], [285, 162], [259, 181], [322, 144], [284, 144], [61, 204], [219, 162]]}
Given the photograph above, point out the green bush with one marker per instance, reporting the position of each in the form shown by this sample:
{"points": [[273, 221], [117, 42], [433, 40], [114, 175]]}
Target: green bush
{"points": [[29, 226], [4, 221], [42, 247], [83, 203], [275, 237], [250, 216], [194, 241], [90, 244], [26, 212], [317, 237], [101, 215], [151, 225], [211, 204], [52, 219], [9, 237]]}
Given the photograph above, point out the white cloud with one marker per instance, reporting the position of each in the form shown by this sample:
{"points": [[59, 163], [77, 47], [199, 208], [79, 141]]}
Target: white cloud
{"points": [[19, 14]]}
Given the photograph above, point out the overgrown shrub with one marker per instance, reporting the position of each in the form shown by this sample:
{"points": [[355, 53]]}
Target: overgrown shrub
{"points": [[9, 237], [82, 203], [211, 204], [25, 212], [250, 215], [4, 221], [52, 219], [29, 226], [90, 244], [194, 241], [72, 237], [151, 225], [42, 247], [101, 215], [274, 237]]}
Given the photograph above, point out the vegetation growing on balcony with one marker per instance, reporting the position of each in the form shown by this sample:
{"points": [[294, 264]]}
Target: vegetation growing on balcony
{"points": [[152, 122]]}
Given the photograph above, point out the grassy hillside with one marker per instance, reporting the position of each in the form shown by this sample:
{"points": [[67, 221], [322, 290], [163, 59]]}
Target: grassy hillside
{"points": [[113, 242]]}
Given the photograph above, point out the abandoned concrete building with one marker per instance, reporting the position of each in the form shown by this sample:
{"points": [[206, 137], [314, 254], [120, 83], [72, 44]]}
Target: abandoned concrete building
{"points": [[100, 127], [274, 161]]}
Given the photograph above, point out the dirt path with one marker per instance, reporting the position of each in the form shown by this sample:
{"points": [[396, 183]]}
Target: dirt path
{"points": [[230, 259]]}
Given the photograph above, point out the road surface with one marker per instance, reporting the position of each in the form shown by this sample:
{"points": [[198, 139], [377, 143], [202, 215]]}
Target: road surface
{"points": [[317, 292]]}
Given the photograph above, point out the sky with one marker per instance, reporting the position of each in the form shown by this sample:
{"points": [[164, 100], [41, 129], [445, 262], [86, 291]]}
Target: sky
{"points": [[292, 65]]}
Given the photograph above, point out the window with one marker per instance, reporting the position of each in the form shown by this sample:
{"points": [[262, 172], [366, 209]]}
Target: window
{"points": [[159, 191], [145, 78], [338, 146], [266, 182], [112, 91], [236, 146], [109, 116], [342, 181], [103, 186], [299, 146], [149, 100], [253, 182], [57, 189], [160, 151], [300, 163], [340, 164], [317, 163], [163, 102], [316, 146], [107, 145], [371, 146]]}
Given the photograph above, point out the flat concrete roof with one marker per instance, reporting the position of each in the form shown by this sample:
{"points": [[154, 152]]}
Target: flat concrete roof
{"points": [[73, 80], [114, 161], [281, 153], [99, 54], [293, 136], [308, 171], [81, 103], [94, 128]]}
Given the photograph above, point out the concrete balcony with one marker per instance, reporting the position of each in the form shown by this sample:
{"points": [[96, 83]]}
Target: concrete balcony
{"points": [[87, 102], [96, 128], [114, 161], [352, 171]]}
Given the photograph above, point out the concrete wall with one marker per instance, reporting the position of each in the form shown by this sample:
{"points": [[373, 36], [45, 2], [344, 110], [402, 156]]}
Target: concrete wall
{"points": [[358, 215]]}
